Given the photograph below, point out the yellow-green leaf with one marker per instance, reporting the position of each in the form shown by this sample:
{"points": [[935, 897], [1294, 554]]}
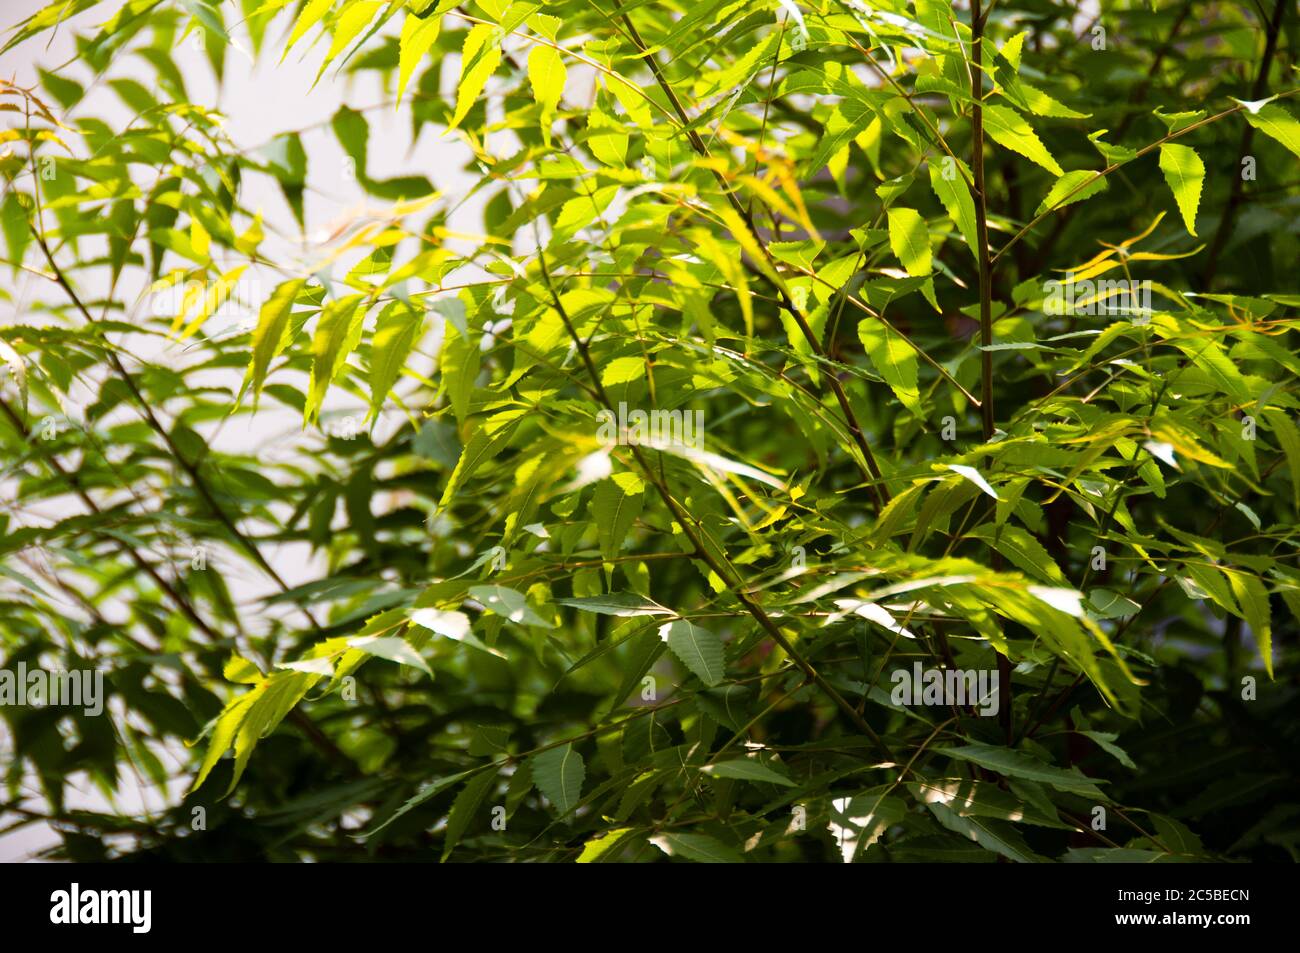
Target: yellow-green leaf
{"points": [[1070, 188], [269, 336], [948, 181], [1253, 598], [337, 334], [1289, 438], [1277, 123], [546, 74], [311, 14], [910, 240], [395, 334], [1009, 129], [1185, 173], [893, 358], [418, 36], [479, 57]]}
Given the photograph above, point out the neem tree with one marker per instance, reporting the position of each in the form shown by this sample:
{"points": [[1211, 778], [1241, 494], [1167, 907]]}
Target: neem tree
{"points": [[837, 233]]}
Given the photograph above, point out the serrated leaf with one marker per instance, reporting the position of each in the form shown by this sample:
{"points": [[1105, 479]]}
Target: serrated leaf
{"points": [[508, 603], [391, 647], [1064, 193], [463, 809], [616, 603], [1024, 551], [337, 334], [546, 75], [598, 847], [909, 238], [1106, 741], [1010, 130], [17, 370], [969, 798], [451, 625], [426, 792], [311, 14], [955, 196], [1016, 764], [396, 331], [997, 836], [697, 648], [700, 848], [1253, 599], [1185, 173], [485, 443], [970, 473], [748, 769], [1277, 123], [893, 358], [479, 59], [269, 335], [417, 38], [1289, 438], [558, 774]]}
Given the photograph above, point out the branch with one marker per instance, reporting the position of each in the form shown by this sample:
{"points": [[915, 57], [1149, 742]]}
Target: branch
{"points": [[722, 569]]}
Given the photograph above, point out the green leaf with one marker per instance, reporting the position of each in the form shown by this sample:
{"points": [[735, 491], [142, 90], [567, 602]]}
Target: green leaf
{"points": [[508, 603], [251, 717], [269, 336], [546, 75], [954, 194], [337, 334], [1022, 549], [616, 603], [1207, 355], [417, 38], [1185, 173], [427, 792], [997, 836], [463, 809], [984, 799], [748, 769], [699, 649], [1276, 123], [351, 20], [1106, 741], [558, 774], [1253, 599], [909, 238], [848, 119], [700, 848], [598, 847], [615, 505], [1009, 129], [479, 59], [893, 358], [486, 442], [459, 360], [1064, 192], [392, 648], [1016, 764], [311, 14], [974, 476], [1289, 438], [395, 334], [451, 625]]}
